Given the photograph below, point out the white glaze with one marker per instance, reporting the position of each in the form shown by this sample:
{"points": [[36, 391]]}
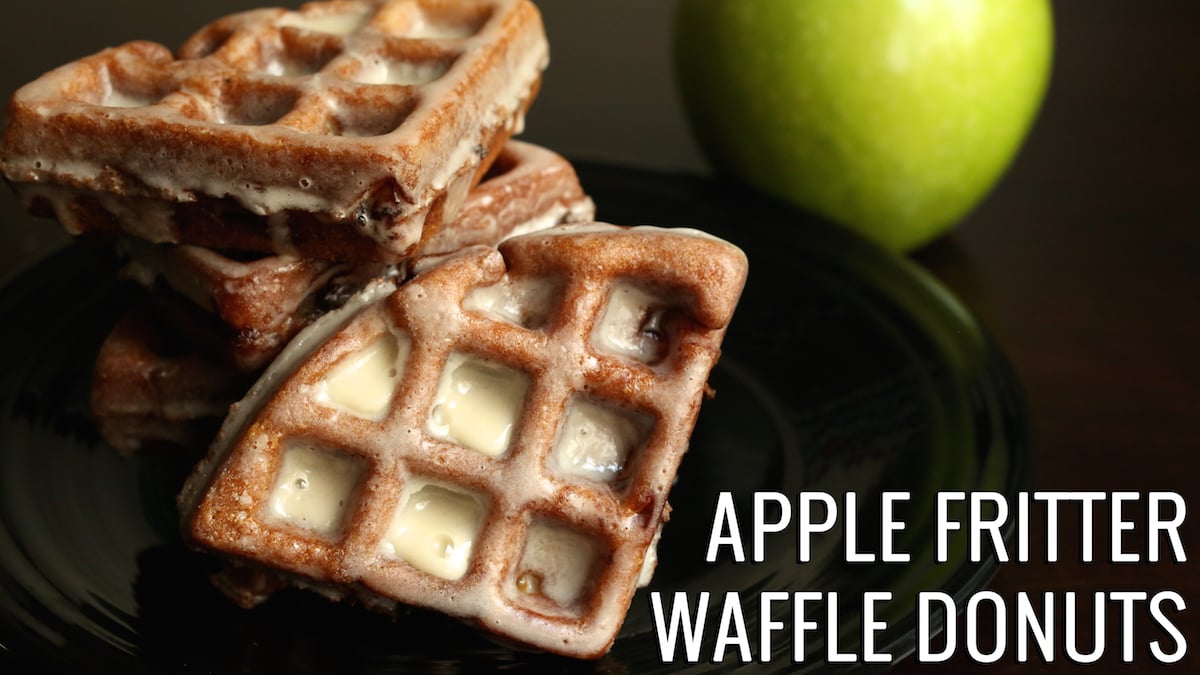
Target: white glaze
{"points": [[557, 563], [596, 440], [477, 404], [313, 489], [631, 324], [524, 302], [434, 529], [362, 383], [341, 23]]}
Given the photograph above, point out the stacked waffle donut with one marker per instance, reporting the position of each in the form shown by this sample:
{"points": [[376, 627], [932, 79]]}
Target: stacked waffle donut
{"points": [[453, 389]]}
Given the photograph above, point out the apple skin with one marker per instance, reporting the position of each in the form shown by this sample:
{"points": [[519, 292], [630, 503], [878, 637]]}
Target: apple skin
{"points": [[894, 117]]}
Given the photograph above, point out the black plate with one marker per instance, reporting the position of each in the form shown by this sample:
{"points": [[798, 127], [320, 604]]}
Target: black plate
{"points": [[846, 369]]}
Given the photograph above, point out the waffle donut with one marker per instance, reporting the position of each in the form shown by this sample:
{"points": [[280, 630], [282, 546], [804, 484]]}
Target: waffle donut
{"points": [[495, 439], [345, 130]]}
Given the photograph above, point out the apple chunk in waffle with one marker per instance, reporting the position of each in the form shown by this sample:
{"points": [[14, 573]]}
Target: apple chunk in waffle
{"points": [[495, 439], [345, 130]]}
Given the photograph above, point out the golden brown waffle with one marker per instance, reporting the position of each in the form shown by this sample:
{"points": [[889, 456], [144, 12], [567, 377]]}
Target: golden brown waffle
{"points": [[153, 388], [346, 130], [263, 302], [495, 439]]}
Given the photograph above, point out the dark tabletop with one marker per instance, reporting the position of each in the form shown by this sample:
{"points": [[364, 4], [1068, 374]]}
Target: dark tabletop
{"points": [[1085, 265]]}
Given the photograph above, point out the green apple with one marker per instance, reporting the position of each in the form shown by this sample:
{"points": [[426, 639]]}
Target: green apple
{"points": [[894, 117]]}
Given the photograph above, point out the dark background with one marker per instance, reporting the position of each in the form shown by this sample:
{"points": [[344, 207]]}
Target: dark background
{"points": [[1084, 262]]}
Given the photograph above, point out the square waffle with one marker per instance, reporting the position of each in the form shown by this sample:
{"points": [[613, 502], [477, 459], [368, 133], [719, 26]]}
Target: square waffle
{"points": [[345, 130], [495, 439]]}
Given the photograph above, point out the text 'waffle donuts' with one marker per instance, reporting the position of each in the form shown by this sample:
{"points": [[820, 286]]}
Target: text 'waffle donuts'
{"points": [[495, 439], [345, 130]]}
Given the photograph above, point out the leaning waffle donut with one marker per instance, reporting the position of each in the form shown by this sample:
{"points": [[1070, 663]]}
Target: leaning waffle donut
{"points": [[346, 130], [151, 387], [265, 300], [494, 440]]}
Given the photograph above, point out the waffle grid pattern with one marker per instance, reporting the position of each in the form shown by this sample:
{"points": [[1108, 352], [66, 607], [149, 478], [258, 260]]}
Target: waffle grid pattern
{"points": [[521, 489], [361, 111]]}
